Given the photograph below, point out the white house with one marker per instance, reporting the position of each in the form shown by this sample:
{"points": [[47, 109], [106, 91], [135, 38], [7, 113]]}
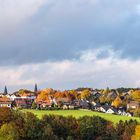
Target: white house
{"points": [[110, 111]]}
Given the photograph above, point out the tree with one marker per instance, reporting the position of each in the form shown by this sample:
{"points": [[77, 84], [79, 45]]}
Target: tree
{"points": [[8, 132], [137, 133], [6, 115], [21, 92], [85, 94], [117, 102], [125, 129], [106, 91], [92, 128], [48, 133], [62, 126], [135, 95], [45, 94], [5, 90], [34, 105], [32, 126], [137, 112], [74, 93]]}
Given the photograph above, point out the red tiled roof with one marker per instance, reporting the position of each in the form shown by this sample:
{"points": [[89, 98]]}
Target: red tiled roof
{"points": [[5, 101]]}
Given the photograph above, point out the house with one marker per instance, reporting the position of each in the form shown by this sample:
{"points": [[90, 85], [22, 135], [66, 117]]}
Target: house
{"points": [[112, 110], [112, 95], [133, 105], [30, 96], [1, 94], [13, 96], [129, 114], [63, 100], [93, 103], [97, 95], [84, 104], [22, 103], [71, 107], [76, 103], [104, 108], [65, 107], [43, 104], [5, 102], [121, 111], [96, 108]]}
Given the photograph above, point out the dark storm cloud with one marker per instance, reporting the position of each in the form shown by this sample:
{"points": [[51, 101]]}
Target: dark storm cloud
{"points": [[62, 29]]}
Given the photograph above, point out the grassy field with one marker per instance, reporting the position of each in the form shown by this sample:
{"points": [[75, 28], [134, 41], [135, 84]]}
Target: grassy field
{"points": [[80, 113]]}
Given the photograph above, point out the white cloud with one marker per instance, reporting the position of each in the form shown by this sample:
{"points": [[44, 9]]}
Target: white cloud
{"points": [[100, 73]]}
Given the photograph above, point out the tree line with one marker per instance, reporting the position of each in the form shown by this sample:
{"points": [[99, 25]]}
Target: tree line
{"points": [[16, 125]]}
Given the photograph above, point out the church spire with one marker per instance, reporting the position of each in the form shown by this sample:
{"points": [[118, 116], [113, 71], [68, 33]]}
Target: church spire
{"points": [[35, 89], [5, 90]]}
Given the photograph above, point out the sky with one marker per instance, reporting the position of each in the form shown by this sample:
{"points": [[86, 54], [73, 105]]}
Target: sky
{"points": [[65, 44]]}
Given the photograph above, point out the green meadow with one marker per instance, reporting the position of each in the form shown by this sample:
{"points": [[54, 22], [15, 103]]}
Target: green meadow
{"points": [[79, 113]]}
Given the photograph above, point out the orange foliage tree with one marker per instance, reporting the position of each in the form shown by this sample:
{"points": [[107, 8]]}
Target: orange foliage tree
{"points": [[64, 94], [45, 94]]}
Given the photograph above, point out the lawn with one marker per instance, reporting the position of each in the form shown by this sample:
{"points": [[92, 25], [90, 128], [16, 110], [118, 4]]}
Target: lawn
{"points": [[80, 113]]}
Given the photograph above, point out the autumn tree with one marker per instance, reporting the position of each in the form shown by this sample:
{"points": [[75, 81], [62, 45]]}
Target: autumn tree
{"points": [[75, 94], [64, 94], [106, 91], [6, 115], [135, 95], [104, 99], [117, 102], [45, 94], [8, 132], [137, 133], [85, 94]]}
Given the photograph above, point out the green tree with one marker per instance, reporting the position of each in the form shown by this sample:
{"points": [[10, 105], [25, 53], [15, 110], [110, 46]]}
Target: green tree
{"points": [[92, 127], [32, 126], [8, 132], [34, 105], [62, 126]]}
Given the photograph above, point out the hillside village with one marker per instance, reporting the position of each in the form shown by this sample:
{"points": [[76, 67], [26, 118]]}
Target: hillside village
{"points": [[121, 101]]}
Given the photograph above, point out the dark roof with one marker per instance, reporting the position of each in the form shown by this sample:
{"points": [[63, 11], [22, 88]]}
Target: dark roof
{"points": [[106, 107]]}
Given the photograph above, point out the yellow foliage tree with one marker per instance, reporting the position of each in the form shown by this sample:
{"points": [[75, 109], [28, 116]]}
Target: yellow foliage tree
{"points": [[85, 94], [135, 95], [137, 133], [74, 93], [117, 102], [106, 91]]}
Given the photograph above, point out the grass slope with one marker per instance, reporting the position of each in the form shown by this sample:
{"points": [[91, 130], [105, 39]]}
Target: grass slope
{"points": [[80, 113]]}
